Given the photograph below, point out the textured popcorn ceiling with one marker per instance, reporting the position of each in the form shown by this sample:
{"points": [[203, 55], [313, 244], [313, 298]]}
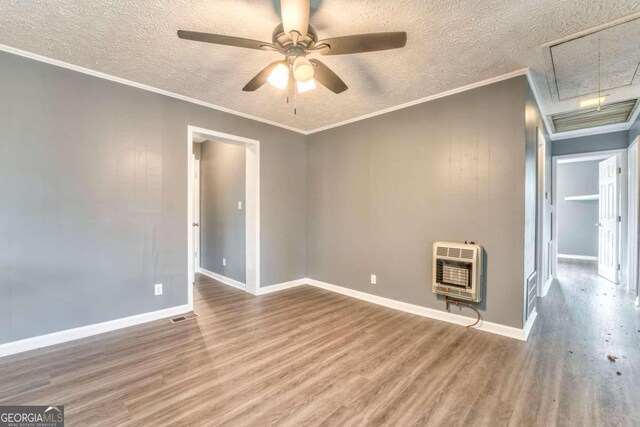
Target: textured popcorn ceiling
{"points": [[450, 44]]}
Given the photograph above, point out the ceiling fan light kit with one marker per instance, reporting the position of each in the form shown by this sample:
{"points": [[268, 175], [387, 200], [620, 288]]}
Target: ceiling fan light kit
{"points": [[279, 77], [296, 39], [302, 69]]}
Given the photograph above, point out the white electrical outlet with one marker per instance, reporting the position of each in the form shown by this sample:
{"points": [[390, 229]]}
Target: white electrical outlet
{"points": [[239, 206], [158, 289], [224, 261], [374, 279]]}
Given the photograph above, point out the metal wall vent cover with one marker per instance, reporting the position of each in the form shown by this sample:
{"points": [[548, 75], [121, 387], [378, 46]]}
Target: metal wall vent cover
{"points": [[616, 112], [189, 316]]}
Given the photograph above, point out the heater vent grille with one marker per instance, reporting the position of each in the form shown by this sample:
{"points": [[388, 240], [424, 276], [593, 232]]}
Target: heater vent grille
{"points": [[455, 275], [466, 254], [458, 270]]}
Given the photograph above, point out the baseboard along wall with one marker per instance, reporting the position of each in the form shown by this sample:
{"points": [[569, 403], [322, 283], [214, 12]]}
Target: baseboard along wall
{"points": [[47, 340], [100, 328]]}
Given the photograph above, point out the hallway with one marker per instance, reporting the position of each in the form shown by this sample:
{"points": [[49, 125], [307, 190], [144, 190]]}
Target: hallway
{"points": [[582, 320]]}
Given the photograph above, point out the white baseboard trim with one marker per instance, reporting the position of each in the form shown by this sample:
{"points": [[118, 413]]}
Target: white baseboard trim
{"points": [[281, 286], [580, 257], [529, 324], [495, 328], [89, 330], [223, 279], [547, 286]]}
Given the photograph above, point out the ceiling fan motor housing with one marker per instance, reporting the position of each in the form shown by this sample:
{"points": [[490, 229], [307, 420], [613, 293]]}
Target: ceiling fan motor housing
{"points": [[283, 42]]}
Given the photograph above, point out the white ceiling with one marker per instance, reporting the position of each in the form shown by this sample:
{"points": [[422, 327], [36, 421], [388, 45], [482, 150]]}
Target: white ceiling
{"points": [[451, 43]]}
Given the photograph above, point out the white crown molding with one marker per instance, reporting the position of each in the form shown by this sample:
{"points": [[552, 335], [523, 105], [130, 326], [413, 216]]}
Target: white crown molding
{"points": [[98, 74], [536, 95], [492, 80], [62, 64], [33, 343], [524, 71]]}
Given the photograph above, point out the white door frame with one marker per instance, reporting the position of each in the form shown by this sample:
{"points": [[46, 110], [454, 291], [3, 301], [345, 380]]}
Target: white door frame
{"points": [[196, 210], [252, 204], [622, 201], [634, 219], [543, 267]]}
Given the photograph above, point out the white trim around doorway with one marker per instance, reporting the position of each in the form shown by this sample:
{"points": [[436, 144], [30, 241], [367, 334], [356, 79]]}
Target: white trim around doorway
{"points": [[622, 203], [252, 204]]}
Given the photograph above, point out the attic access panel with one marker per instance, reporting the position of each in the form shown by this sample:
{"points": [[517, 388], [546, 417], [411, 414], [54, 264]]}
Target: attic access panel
{"points": [[574, 62]]}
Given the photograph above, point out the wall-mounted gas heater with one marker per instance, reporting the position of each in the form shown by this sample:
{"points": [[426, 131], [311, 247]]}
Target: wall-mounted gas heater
{"points": [[457, 270]]}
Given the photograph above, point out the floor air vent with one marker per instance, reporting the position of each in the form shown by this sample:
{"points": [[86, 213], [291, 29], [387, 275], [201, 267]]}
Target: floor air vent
{"points": [[609, 114], [184, 318]]}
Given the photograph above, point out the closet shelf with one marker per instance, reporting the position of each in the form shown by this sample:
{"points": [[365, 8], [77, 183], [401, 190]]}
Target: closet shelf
{"points": [[585, 198]]}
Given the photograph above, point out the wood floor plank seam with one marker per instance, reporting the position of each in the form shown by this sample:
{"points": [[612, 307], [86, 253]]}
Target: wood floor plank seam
{"points": [[307, 356]]}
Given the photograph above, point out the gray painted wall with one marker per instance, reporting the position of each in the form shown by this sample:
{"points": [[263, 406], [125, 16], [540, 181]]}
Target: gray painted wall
{"points": [[93, 207], [577, 234], [634, 132], [382, 190], [222, 224], [588, 144]]}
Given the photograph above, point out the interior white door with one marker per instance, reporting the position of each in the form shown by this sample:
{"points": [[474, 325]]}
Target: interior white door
{"points": [[196, 212], [608, 220]]}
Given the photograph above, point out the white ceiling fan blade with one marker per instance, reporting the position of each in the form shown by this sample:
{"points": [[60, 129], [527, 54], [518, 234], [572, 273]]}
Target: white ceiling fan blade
{"points": [[295, 15]]}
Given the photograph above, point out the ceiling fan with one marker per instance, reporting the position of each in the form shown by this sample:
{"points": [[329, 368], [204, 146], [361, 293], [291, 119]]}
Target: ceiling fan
{"points": [[295, 39]]}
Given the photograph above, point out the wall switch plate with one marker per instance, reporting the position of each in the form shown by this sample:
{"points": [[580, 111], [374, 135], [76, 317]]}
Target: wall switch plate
{"points": [[374, 279], [158, 289], [239, 206], [224, 261]]}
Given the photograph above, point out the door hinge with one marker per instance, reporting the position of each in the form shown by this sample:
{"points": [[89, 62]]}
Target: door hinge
{"points": [[619, 267], [619, 171], [619, 218]]}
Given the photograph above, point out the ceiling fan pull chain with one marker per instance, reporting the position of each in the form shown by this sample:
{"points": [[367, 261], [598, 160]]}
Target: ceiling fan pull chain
{"points": [[288, 92]]}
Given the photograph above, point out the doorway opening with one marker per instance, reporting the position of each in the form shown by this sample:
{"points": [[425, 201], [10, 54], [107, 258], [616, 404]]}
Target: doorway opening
{"points": [[544, 240], [249, 205], [590, 203], [634, 219]]}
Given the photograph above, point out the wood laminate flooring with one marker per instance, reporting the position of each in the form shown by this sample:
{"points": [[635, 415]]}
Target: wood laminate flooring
{"points": [[306, 356]]}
